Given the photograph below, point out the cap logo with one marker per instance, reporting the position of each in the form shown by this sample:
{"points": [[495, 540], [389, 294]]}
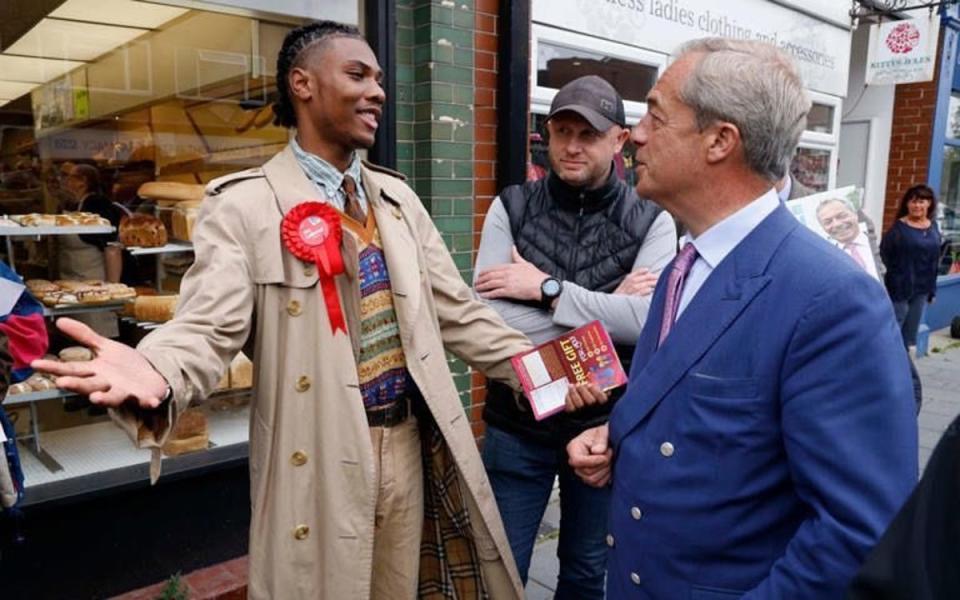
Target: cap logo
{"points": [[606, 104]]}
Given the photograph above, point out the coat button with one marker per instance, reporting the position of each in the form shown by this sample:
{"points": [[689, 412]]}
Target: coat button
{"points": [[294, 309], [298, 458], [610, 540], [308, 270], [303, 383], [635, 578], [666, 449], [301, 532], [397, 213], [636, 513]]}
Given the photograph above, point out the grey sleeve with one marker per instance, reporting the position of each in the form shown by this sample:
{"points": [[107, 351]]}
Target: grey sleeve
{"points": [[623, 316], [496, 243]]}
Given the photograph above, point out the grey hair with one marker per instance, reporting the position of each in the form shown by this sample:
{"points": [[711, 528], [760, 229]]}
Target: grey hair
{"points": [[842, 201], [754, 86]]}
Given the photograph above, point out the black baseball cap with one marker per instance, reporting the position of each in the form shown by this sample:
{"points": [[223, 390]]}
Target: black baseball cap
{"points": [[592, 98]]}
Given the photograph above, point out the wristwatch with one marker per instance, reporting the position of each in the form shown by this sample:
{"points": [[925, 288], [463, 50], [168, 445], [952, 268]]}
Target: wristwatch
{"points": [[550, 289]]}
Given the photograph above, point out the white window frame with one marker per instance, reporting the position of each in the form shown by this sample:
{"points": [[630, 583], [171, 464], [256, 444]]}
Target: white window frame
{"points": [[829, 142], [541, 96]]}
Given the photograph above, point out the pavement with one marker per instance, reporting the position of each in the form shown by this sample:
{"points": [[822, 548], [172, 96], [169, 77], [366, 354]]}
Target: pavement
{"points": [[940, 374]]}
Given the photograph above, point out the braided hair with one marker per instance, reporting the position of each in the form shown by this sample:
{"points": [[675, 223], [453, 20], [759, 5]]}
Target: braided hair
{"points": [[292, 53]]}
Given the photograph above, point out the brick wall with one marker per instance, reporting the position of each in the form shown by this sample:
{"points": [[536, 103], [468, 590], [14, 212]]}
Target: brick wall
{"points": [[914, 108], [910, 138]]}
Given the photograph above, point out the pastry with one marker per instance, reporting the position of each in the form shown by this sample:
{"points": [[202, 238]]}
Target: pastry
{"points": [[142, 231], [75, 354], [93, 295], [183, 446], [39, 383], [5, 222], [51, 298], [189, 434], [158, 309], [39, 287], [66, 220], [19, 388], [119, 291], [70, 285]]}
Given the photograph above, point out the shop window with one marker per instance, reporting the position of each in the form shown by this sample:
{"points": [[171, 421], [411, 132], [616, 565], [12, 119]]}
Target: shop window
{"points": [[820, 118], [558, 65], [811, 166], [953, 118], [948, 218], [538, 159]]}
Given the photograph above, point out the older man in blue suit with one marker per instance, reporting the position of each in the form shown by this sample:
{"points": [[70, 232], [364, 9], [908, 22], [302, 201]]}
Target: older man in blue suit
{"points": [[767, 434]]}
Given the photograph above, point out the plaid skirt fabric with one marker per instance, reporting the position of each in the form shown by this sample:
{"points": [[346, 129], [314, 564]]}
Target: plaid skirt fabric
{"points": [[449, 563]]}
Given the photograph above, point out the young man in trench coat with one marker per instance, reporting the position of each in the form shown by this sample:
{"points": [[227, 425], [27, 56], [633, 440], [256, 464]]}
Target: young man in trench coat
{"points": [[340, 507]]}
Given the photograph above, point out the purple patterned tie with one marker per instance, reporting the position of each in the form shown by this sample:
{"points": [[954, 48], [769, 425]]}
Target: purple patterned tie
{"points": [[681, 266]]}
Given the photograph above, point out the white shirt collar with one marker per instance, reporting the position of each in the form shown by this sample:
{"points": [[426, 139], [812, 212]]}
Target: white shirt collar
{"points": [[784, 194], [714, 244]]}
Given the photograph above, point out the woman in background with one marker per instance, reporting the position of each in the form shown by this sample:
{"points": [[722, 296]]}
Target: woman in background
{"points": [[911, 253]]}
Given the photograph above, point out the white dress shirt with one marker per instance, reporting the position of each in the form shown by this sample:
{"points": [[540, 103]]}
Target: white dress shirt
{"points": [[714, 244]]}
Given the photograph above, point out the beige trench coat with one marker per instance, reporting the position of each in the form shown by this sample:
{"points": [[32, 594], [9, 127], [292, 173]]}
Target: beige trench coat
{"points": [[307, 396]]}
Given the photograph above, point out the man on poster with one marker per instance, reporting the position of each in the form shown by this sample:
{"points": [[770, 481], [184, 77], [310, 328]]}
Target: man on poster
{"points": [[366, 481]]}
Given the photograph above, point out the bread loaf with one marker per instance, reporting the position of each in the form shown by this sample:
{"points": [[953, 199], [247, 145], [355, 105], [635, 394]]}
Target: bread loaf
{"points": [[191, 422], [171, 190], [184, 217], [241, 372], [158, 309], [191, 444], [142, 231]]}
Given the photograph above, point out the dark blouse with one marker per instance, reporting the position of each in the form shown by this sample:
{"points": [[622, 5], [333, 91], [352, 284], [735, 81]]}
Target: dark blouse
{"points": [[912, 257]]}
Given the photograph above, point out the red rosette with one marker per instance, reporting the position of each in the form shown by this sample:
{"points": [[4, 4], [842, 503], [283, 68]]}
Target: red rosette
{"points": [[311, 231]]}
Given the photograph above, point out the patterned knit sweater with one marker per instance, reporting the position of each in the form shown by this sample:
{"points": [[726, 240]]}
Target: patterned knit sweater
{"points": [[381, 365]]}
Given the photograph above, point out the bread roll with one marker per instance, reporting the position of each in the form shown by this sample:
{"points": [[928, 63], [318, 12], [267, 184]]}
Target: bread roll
{"points": [[158, 309], [120, 291], [19, 388], [39, 383], [184, 218], [39, 287], [75, 354]]}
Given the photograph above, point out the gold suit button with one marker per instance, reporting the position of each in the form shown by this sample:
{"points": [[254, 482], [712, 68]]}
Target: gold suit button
{"points": [[301, 532], [303, 383], [636, 513], [610, 540], [294, 309], [308, 270], [298, 458], [666, 449]]}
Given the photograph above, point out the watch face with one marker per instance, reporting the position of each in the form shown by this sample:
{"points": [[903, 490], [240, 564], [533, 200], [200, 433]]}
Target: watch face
{"points": [[550, 287]]}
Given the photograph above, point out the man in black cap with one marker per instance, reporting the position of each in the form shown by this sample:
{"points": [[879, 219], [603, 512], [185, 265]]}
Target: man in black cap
{"points": [[555, 254]]}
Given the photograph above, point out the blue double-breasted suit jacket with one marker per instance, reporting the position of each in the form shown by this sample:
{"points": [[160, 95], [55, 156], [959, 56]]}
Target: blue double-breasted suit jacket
{"points": [[764, 447]]}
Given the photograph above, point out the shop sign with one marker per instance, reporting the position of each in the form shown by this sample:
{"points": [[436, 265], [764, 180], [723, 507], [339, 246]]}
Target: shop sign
{"points": [[820, 48], [334, 10], [903, 51]]}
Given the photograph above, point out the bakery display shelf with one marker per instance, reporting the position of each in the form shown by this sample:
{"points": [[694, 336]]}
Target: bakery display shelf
{"points": [[10, 231], [97, 456], [78, 309], [17, 399], [170, 248]]}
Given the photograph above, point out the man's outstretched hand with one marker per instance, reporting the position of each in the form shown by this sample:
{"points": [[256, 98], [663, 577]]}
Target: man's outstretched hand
{"points": [[117, 373]]}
